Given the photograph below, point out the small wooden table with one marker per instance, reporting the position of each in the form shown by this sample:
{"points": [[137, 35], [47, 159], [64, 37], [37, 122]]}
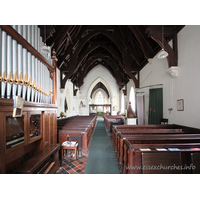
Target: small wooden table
{"points": [[75, 148]]}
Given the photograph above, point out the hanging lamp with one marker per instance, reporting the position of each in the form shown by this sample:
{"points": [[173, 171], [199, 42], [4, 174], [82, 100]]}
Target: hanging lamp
{"points": [[163, 53]]}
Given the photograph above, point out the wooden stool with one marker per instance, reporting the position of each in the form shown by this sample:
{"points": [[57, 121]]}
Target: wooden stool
{"points": [[164, 121], [75, 148]]}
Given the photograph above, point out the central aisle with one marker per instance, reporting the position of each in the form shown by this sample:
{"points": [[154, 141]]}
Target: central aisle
{"points": [[101, 159]]}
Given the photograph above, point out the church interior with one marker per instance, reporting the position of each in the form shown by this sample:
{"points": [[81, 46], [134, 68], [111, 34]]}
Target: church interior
{"points": [[99, 99]]}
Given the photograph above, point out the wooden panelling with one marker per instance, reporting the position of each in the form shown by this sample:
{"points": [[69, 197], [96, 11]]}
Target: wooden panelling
{"points": [[160, 163], [2, 145], [196, 163], [11, 157]]}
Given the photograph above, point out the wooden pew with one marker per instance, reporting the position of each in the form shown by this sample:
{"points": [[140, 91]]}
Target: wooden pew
{"points": [[152, 159], [77, 126], [112, 118], [131, 129], [143, 132], [47, 162], [148, 135], [118, 128], [155, 139]]}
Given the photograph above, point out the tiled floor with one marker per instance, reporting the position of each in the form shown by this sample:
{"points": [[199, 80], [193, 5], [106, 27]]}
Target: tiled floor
{"points": [[71, 166]]}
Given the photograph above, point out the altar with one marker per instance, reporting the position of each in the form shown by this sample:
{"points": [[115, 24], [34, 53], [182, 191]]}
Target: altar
{"points": [[99, 108]]}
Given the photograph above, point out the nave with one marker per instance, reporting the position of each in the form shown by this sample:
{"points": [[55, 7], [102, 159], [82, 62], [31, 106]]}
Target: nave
{"points": [[100, 158]]}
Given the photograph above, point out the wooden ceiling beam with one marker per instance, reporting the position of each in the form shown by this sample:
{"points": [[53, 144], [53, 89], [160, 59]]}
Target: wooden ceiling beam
{"points": [[130, 48], [159, 30], [95, 46], [146, 48], [128, 70], [116, 74], [70, 39], [61, 36], [91, 35], [51, 40], [173, 55], [69, 50], [163, 29], [100, 27]]}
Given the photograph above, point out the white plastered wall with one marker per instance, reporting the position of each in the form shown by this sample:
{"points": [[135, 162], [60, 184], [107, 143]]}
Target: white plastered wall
{"points": [[68, 93], [185, 86]]}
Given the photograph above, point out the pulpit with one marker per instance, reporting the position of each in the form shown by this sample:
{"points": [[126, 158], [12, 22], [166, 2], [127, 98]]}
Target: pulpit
{"points": [[130, 116]]}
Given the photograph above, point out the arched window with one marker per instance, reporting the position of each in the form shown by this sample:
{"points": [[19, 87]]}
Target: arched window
{"points": [[132, 98], [122, 103], [99, 98]]}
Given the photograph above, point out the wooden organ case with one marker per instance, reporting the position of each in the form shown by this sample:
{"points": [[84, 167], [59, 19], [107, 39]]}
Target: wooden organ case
{"points": [[28, 144]]}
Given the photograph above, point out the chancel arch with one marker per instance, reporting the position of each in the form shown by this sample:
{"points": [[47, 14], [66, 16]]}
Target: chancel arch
{"points": [[99, 79]]}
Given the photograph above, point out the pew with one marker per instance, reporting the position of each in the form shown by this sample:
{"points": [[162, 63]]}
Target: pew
{"points": [[45, 162], [145, 136], [77, 127], [161, 158], [155, 139], [112, 119], [143, 132], [117, 128]]}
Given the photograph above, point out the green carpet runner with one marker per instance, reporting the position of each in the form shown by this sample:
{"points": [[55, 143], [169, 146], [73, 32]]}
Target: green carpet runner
{"points": [[101, 159]]}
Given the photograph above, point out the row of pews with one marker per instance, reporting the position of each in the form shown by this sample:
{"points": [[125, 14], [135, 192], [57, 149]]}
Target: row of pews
{"points": [[157, 149], [111, 120], [79, 128]]}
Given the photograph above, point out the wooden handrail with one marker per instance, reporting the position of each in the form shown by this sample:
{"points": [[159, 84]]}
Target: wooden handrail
{"points": [[15, 35]]}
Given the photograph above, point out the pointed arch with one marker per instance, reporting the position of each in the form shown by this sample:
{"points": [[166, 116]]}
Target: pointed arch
{"points": [[97, 81], [68, 98], [122, 102], [132, 98]]}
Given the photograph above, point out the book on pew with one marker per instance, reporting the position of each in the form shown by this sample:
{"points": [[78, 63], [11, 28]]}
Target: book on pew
{"points": [[173, 149], [188, 149], [73, 143], [147, 149], [161, 149], [196, 149]]}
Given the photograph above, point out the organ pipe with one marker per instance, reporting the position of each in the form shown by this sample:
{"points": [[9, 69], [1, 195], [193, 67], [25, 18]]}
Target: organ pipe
{"points": [[21, 71]]}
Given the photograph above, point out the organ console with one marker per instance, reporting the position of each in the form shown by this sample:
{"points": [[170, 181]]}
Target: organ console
{"points": [[14, 131]]}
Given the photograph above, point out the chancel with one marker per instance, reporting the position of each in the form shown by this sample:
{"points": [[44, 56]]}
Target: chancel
{"points": [[95, 98]]}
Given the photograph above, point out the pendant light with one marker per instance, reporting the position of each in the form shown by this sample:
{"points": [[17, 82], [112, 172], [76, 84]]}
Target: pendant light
{"points": [[163, 53], [45, 48]]}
